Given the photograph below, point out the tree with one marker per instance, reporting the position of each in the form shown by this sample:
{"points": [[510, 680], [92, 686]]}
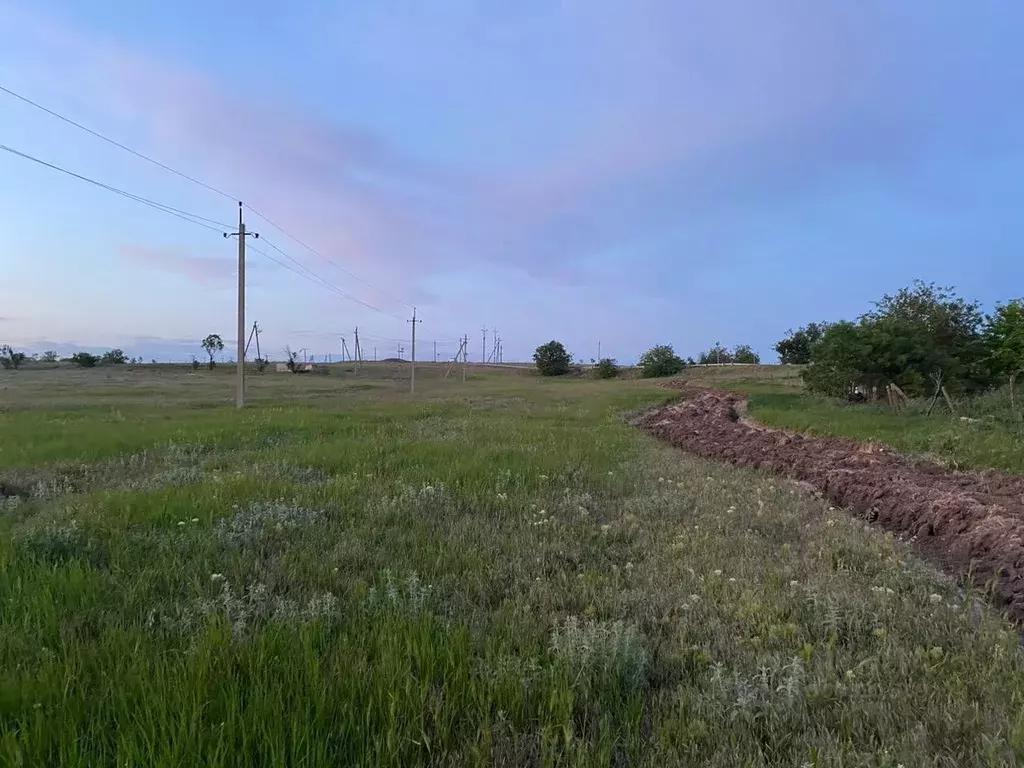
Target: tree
{"points": [[9, 359], [660, 361], [552, 359], [113, 357], [745, 354], [840, 360], [1004, 339], [84, 360], [49, 356], [606, 369], [925, 331], [795, 349], [213, 344], [717, 354]]}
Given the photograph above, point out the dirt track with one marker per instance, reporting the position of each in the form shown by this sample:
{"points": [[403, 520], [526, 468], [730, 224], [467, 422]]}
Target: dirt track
{"points": [[963, 520]]}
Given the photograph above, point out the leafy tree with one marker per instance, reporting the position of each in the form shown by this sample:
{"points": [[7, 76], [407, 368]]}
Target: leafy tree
{"points": [[9, 359], [909, 338], [1004, 339], [717, 354], [606, 369], [50, 356], [745, 354], [924, 331], [795, 349], [661, 360], [552, 359], [113, 357], [840, 360], [213, 344], [84, 360]]}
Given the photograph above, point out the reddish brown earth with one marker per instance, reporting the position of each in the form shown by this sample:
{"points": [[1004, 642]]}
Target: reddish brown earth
{"points": [[968, 522]]}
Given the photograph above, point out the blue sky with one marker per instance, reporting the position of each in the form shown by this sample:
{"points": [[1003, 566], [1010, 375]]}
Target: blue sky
{"points": [[642, 172]]}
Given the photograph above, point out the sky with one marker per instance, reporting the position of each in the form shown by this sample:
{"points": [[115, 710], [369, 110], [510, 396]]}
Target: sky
{"points": [[620, 173]]}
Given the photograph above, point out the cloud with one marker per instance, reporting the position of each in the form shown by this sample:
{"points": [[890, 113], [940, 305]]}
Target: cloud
{"points": [[543, 136], [203, 270]]}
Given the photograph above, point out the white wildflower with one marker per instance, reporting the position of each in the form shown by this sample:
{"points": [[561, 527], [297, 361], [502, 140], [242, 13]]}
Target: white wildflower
{"points": [[794, 583], [717, 571], [195, 519], [629, 566], [935, 597], [732, 581], [218, 577]]}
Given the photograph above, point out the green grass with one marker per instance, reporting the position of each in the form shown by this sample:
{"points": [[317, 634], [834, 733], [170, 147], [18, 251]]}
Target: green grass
{"points": [[982, 435], [499, 571]]}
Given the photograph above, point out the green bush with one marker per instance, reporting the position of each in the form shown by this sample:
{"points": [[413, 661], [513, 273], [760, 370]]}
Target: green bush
{"points": [[84, 360], [660, 361], [606, 369], [552, 359]]}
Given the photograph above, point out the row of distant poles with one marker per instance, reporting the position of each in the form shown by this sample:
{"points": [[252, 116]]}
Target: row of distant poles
{"points": [[495, 356]]}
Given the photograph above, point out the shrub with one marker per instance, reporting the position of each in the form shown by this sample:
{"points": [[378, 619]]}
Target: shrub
{"points": [[660, 361], [113, 357], [84, 360], [606, 368], [552, 359], [11, 359]]}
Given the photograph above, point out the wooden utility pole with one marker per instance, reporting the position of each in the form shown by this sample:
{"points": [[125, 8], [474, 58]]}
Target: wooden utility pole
{"points": [[241, 235], [412, 376]]}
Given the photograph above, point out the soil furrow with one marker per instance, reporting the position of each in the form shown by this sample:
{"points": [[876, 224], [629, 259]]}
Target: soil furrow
{"points": [[969, 523]]}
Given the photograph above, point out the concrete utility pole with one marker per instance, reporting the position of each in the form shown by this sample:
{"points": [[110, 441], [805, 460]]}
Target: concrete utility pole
{"points": [[483, 347], [435, 351], [412, 377], [358, 350], [599, 351], [241, 235], [465, 355]]}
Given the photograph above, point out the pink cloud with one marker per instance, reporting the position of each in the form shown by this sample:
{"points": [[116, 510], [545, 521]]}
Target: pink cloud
{"points": [[203, 270]]}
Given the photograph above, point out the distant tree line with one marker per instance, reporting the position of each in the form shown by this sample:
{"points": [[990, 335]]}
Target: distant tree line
{"points": [[552, 359], [12, 360], [919, 338]]}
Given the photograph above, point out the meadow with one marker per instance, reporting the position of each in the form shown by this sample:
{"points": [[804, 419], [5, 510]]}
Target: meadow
{"points": [[497, 571]]}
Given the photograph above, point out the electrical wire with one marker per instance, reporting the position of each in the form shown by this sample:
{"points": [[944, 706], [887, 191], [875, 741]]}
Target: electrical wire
{"points": [[117, 144], [204, 185], [330, 261], [178, 212]]}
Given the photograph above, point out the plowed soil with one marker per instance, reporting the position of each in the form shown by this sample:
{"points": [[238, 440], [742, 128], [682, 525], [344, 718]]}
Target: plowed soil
{"points": [[966, 522]]}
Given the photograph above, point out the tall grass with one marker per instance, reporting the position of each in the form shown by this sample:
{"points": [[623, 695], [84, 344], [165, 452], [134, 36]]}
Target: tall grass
{"points": [[502, 573]]}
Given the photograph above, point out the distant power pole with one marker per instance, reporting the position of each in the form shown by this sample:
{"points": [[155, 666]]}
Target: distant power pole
{"points": [[599, 351], [358, 350], [483, 347], [241, 235], [435, 351], [412, 377], [465, 355], [375, 354]]}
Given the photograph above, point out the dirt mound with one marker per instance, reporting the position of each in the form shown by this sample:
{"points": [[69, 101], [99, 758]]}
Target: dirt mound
{"points": [[968, 522]]}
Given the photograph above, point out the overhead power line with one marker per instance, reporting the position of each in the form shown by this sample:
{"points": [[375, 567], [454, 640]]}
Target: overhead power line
{"points": [[312, 276], [327, 259], [178, 212], [117, 144], [204, 185]]}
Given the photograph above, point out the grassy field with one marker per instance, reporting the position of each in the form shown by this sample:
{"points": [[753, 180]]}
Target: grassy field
{"points": [[983, 434], [498, 571]]}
